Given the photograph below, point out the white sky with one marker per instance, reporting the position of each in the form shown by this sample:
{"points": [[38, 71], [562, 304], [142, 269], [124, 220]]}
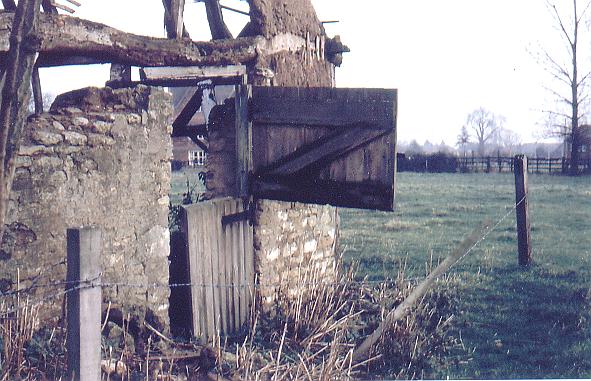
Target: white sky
{"points": [[446, 58]]}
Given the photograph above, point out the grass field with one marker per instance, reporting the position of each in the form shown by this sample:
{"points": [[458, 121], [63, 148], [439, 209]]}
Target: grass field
{"points": [[511, 322]]}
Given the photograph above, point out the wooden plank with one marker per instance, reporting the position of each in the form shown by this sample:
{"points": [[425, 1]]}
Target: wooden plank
{"points": [[374, 108], [220, 267], [306, 189], [242, 269], [243, 140], [208, 270], [182, 116], [235, 269], [324, 151], [191, 227], [191, 73], [249, 262], [230, 261], [223, 268]]}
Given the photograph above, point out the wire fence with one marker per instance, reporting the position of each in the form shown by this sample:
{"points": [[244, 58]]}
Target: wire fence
{"points": [[72, 286]]}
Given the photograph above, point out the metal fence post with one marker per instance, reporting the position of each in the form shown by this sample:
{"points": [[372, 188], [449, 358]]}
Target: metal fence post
{"points": [[84, 304]]}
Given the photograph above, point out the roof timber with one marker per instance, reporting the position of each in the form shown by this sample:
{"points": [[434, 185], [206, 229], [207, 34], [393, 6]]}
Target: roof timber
{"points": [[63, 40]]}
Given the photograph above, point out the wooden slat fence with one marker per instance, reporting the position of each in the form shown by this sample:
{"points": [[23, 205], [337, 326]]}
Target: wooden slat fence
{"points": [[221, 267]]}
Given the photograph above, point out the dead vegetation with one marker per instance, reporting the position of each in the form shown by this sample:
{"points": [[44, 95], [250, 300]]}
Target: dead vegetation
{"points": [[314, 338], [311, 336]]}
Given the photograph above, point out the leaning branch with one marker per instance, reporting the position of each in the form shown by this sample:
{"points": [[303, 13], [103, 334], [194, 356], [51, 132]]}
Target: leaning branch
{"points": [[361, 353]]}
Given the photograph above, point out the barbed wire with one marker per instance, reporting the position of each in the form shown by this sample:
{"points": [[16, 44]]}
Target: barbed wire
{"points": [[72, 286]]}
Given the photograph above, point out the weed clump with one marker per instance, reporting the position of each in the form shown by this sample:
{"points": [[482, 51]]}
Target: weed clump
{"points": [[313, 336]]}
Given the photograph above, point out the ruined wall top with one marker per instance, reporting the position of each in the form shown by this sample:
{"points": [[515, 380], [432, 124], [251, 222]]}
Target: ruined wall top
{"points": [[273, 17]]}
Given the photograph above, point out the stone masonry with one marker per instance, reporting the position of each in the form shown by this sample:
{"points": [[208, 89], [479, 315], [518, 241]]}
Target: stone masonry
{"points": [[100, 157], [293, 242]]}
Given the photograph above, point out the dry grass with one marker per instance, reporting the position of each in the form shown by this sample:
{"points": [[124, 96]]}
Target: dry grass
{"points": [[313, 335]]}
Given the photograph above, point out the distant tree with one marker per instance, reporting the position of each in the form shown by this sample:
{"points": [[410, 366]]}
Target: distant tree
{"points": [[569, 79], [506, 141], [414, 148], [47, 101], [484, 125], [542, 151], [462, 140], [429, 147]]}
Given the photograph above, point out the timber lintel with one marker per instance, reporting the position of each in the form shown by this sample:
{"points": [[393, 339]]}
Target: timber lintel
{"points": [[61, 37]]}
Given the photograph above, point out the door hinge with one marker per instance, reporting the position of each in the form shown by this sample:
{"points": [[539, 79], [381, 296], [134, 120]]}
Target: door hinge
{"points": [[246, 215]]}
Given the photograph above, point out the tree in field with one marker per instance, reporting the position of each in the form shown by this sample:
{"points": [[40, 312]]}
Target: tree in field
{"points": [[569, 75], [484, 125], [462, 140]]}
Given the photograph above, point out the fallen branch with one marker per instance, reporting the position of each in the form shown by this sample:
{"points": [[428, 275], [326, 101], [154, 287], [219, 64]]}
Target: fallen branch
{"points": [[404, 308]]}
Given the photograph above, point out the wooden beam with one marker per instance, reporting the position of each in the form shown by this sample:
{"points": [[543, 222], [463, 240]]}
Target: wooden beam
{"points": [[66, 36], [173, 30], [178, 7], [37, 92], [9, 5], [328, 107], [324, 151], [48, 7], [217, 26], [243, 139], [16, 94], [309, 189], [194, 73], [186, 111], [66, 40]]}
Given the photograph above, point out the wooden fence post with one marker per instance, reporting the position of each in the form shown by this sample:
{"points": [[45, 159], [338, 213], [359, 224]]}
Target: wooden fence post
{"points": [[522, 211], [83, 339]]}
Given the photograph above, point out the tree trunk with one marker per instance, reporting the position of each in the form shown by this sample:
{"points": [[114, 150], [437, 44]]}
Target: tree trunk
{"points": [[15, 96]]}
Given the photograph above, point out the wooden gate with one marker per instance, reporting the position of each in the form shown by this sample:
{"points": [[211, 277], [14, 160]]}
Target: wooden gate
{"points": [[324, 145], [220, 256]]}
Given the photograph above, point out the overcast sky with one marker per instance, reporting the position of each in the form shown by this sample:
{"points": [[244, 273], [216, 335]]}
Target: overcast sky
{"points": [[446, 58]]}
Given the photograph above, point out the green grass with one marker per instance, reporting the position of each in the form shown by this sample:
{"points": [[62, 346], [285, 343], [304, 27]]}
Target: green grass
{"points": [[179, 184], [513, 323]]}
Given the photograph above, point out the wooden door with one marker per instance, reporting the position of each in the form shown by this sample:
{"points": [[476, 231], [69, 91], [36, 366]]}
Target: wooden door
{"points": [[324, 145], [220, 256]]}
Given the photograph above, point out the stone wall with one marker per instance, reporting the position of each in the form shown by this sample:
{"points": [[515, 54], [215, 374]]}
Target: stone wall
{"points": [[292, 240], [295, 246], [100, 158]]}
